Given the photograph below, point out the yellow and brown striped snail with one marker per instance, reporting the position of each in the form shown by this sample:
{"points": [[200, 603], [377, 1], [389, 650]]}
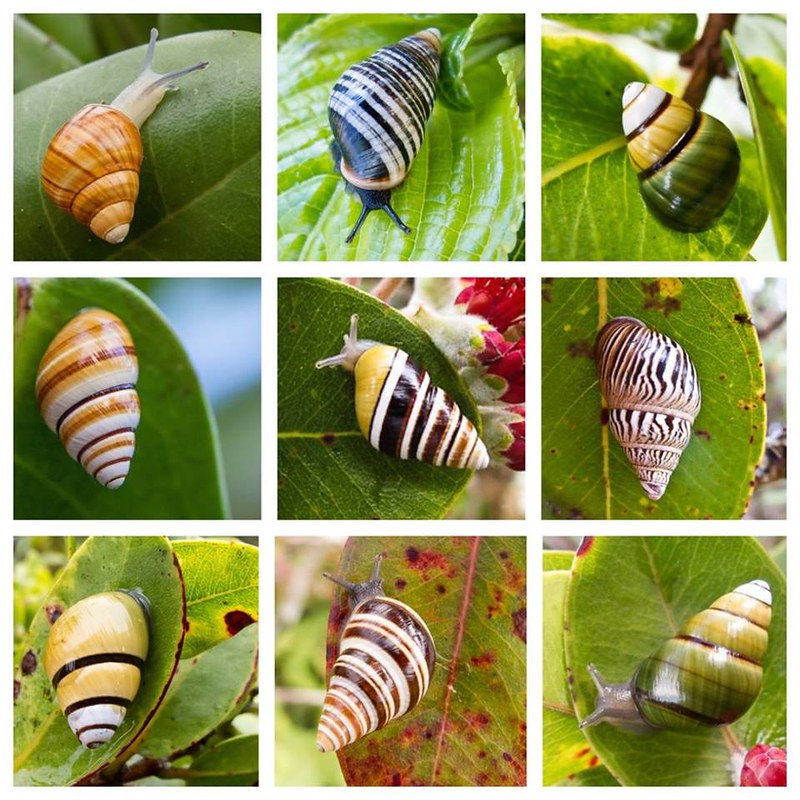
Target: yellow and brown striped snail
{"points": [[383, 668], [709, 673], [94, 658], [91, 167], [86, 391], [650, 386], [687, 161], [378, 110], [400, 411]]}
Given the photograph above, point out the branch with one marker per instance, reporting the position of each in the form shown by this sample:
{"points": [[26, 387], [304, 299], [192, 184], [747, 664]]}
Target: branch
{"points": [[705, 58], [386, 287]]}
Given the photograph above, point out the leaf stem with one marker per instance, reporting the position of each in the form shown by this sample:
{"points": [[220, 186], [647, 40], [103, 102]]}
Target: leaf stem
{"points": [[386, 287], [705, 58]]}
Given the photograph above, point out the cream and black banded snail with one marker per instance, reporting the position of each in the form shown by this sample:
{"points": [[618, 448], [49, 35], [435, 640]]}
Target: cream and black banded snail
{"points": [[383, 668], [686, 160], [709, 673], [378, 110], [400, 411], [86, 391], [94, 658], [650, 386], [91, 167]]}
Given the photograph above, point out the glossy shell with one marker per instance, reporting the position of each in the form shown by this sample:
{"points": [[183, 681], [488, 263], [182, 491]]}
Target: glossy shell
{"points": [[86, 391], [687, 161]]}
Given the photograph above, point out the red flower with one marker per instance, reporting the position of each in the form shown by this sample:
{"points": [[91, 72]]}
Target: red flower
{"points": [[507, 361], [500, 301], [515, 453], [764, 765]]}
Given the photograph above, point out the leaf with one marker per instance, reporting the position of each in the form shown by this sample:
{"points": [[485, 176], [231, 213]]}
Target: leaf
{"points": [[626, 596], [665, 31], [289, 23], [232, 762], [200, 183], [36, 56], [715, 473], [73, 32], [175, 472]]}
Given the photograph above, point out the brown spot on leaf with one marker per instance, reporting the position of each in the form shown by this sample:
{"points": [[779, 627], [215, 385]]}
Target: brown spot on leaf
{"points": [[503, 554], [482, 754], [581, 348], [575, 513], [723, 377], [328, 438], [703, 434], [17, 689], [594, 761], [53, 612], [484, 660], [399, 584], [477, 720], [657, 297], [519, 620], [743, 319], [440, 588], [604, 416], [584, 546], [236, 620], [28, 663], [424, 560]]}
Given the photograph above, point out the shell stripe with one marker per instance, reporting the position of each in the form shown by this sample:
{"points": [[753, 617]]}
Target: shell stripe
{"points": [[100, 700], [682, 141], [696, 640], [650, 119], [745, 617], [122, 387], [99, 658]]}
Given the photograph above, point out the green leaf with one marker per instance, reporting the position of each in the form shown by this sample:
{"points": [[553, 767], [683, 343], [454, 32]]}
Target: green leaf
{"points": [[73, 32], [554, 560], [289, 23], [175, 472], [665, 31], [232, 762], [709, 317], [176, 24], [36, 56]]}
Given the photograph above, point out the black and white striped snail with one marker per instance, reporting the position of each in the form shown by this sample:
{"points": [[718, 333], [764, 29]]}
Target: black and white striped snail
{"points": [[400, 411], [383, 668], [650, 386], [687, 161], [708, 674], [378, 110], [94, 658]]}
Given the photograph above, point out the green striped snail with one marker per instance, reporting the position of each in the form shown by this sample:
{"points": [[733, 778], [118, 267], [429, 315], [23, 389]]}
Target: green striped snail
{"points": [[708, 674], [86, 391], [94, 658], [377, 111], [383, 669], [399, 410], [687, 161], [650, 386]]}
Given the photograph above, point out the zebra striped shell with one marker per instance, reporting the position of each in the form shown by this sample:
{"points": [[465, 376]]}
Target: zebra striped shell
{"points": [[86, 391], [709, 673], [400, 411], [686, 160], [94, 659], [383, 669], [650, 386], [377, 111]]}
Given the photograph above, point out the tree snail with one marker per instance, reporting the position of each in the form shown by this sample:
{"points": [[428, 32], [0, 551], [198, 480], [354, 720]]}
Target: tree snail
{"points": [[86, 391], [709, 673], [91, 168], [94, 658], [400, 411], [378, 110], [383, 669], [650, 386], [686, 160]]}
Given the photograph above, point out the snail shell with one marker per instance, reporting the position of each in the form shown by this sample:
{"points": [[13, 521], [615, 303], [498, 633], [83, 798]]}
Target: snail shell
{"points": [[650, 386], [709, 673], [94, 659], [86, 391], [91, 167], [378, 110], [384, 667], [687, 161], [400, 411]]}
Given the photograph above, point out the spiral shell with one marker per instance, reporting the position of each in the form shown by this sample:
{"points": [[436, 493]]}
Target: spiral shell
{"points": [[687, 161], [400, 411], [383, 669], [650, 386], [86, 391]]}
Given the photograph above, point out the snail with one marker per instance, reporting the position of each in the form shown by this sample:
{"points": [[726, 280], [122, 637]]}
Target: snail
{"points": [[94, 658], [86, 391], [91, 167], [383, 669], [650, 386], [687, 161], [377, 111], [400, 411], [708, 674]]}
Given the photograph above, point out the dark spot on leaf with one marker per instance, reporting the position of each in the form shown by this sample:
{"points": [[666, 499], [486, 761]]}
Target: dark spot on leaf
{"points": [[580, 349], [604, 416], [503, 554], [703, 435], [752, 439], [764, 397], [654, 300], [293, 326], [400, 584], [53, 613], [484, 660], [328, 438], [507, 757], [594, 761], [236, 620], [28, 663], [17, 689], [440, 588], [481, 779], [585, 546], [482, 754], [553, 451], [752, 484], [519, 619], [583, 751], [575, 513], [723, 377], [546, 296], [477, 720], [397, 779], [743, 319], [424, 560]]}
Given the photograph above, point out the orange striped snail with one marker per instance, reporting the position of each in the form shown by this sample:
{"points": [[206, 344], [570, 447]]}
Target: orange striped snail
{"points": [[650, 386], [94, 658], [400, 411], [86, 391], [378, 110], [708, 674], [91, 167], [383, 669]]}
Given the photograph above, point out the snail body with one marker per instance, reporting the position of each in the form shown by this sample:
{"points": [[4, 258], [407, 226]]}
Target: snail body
{"points": [[687, 161], [91, 167]]}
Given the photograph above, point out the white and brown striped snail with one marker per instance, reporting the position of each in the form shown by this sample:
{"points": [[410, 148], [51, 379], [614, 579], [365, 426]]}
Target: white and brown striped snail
{"points": [[708, 674], [94, 658], [650, 386], [400, 411], [86, 391], [378, 110], [91, 167], [687, 161], [383, 668]]}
